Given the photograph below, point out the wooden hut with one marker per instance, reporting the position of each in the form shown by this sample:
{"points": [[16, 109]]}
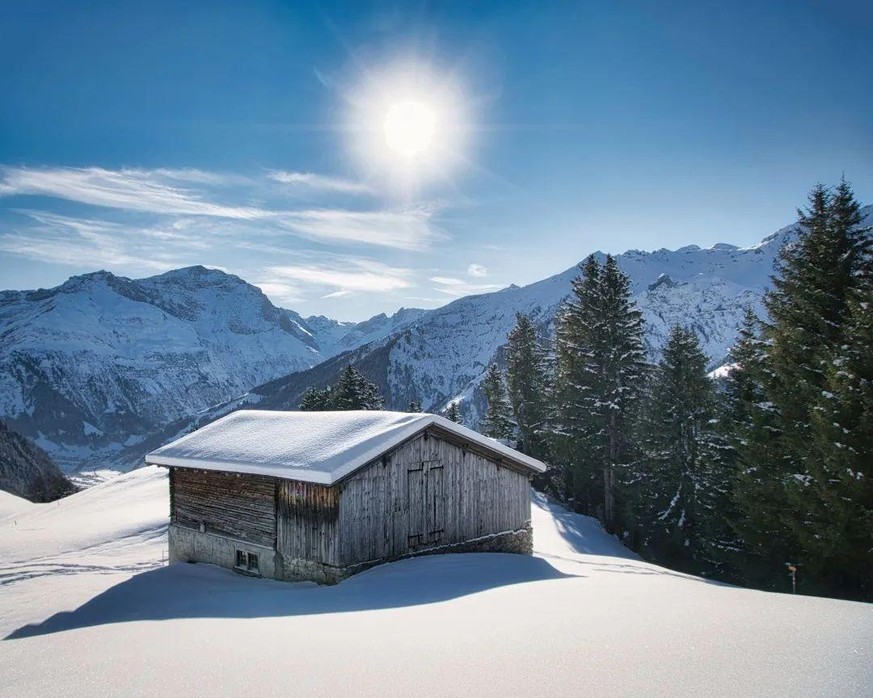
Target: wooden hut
{"points": [[322, 495]]}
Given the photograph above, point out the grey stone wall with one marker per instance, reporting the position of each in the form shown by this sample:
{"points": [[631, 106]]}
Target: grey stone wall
{"points": [[190, 545]]}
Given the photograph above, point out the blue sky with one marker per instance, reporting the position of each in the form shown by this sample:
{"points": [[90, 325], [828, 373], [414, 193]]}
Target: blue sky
{"points": [[140, 137]]}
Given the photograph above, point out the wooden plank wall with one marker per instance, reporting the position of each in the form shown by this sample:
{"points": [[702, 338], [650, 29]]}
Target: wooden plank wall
{"points": [[229, 504], [307, 521], [429, 492]]}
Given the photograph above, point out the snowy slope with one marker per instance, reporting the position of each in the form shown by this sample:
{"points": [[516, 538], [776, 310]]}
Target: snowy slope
{"points": [[88, 609], [10, 504], [101, 362]]}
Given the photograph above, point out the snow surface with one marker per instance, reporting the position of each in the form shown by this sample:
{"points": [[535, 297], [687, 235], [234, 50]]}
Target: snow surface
{"points": [[320, 447], [87, 608], [11, 504]]}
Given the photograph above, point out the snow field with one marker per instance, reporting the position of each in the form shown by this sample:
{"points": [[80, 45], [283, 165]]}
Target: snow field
{"points": [[87, 609]]}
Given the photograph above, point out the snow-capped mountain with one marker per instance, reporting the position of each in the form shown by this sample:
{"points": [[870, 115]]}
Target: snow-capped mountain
{"points": [[101, 362], [444, 355], [102, 368]]}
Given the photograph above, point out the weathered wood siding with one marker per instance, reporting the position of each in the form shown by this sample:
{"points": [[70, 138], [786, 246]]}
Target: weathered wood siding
{"points": [[430, 492], [307, 523], [229, 504]]}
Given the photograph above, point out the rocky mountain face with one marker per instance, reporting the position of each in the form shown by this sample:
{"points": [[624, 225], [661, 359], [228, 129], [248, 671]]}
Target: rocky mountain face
{"points": [[100, 363], [28, 471]]}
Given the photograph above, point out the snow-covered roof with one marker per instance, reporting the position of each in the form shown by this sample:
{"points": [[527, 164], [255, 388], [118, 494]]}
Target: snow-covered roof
{"points": [[319, 447]]}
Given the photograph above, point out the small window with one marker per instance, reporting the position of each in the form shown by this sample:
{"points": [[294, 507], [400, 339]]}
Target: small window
{"points": [[247, 561]]}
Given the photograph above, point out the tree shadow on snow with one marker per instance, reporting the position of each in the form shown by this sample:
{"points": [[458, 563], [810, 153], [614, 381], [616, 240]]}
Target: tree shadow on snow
{"points": [[203, 591], [583, 534]]}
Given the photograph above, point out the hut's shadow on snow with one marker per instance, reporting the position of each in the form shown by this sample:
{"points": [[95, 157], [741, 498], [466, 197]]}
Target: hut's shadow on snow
{"points": [[203, 591]]}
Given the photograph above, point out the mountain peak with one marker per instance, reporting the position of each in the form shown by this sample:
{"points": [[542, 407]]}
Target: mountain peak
{"points": [[198, 273], [79, 280]]}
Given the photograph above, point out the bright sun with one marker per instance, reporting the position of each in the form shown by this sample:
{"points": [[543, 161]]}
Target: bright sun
{"points": [[408, 125], [409, 128]]}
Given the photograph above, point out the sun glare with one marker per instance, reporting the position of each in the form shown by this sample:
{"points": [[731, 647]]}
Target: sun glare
{"points": [[408, 125], [409, 128]]}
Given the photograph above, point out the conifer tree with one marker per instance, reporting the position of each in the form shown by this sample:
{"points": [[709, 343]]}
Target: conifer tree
{"points": [[414, 406], [807, 308], [529, 386], [807, 337], [682, 486], [353, 391], [750, 428], [315, 400], [577, 417], [453, 413], [836, 534], [600, 367], [623, 372], [498, 418]]}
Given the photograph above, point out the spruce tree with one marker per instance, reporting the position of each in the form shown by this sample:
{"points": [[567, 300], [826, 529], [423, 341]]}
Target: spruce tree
{"points": [[529, 386], [352, 391], [315, 400], [682, 487], [453, 413], [806, 338], [758, 508], [576, 403], [498, 417], [623, 372], [414, 406], [599, 372], [836, 534]]}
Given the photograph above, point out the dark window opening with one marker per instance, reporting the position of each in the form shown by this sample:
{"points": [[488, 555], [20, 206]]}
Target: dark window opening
{"points": [[247, 561]]}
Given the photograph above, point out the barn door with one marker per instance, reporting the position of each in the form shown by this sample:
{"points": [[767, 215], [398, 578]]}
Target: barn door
{"points": [[415, 486], [427, 503], [435, 514]]}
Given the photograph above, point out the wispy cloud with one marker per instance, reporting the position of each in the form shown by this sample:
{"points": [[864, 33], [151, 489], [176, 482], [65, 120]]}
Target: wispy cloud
{"points": [[353, 275], [86, 243], [281, 293], [320, 182], [131, 190], [477, 270], [189, 192], [459, 287], [409, 229]]}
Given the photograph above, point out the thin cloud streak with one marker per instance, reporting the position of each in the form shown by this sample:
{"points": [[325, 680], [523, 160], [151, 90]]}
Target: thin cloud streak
{"points": [[365, 276], [404, 229], [157, 192], [320, 182], [459, 287], [131, 190]]}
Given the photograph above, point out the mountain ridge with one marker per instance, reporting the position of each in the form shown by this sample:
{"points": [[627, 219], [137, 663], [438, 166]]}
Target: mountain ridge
{"points": [[99, 362], [177, 349]]}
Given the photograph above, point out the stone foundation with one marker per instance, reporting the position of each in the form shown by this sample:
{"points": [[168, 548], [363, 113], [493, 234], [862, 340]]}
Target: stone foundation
{"points": [[189, 545]]}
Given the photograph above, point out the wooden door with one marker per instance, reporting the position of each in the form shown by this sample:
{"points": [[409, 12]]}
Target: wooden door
{"points": [[425, 494], [415, 486], [436, 503]]}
